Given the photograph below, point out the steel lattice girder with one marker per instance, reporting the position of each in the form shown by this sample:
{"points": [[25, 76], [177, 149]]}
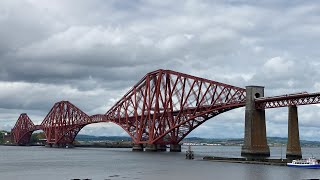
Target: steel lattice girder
{"points": [[63, 123], [287, 100], [22, 130], [165, 106], [162, 108]]}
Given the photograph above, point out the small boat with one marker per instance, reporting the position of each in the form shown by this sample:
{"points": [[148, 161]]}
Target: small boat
{"points": [[311, 163]]}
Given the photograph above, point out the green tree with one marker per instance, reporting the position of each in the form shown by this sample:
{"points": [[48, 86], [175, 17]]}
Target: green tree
{"points": [[35, 137], [2, 133]]}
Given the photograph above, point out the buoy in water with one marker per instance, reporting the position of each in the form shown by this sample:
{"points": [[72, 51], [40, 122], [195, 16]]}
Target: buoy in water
{"points": [[189, 153]]}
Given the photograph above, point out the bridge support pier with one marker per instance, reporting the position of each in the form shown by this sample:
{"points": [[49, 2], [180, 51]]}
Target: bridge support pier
{"points": [[151, 147], [137, 147], [255, 139], [175, 147], [69, 145], [48, 145], [161, 147], [293, 146], [56, 145]]}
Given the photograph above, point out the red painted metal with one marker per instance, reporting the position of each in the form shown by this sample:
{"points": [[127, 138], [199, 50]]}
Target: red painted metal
{"points": [[162, 108], [287, 100], [22, 130], [63, 123], [165, 106], [97, 118]]}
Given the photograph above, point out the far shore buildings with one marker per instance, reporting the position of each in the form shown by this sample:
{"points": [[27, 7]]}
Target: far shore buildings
{"points": [[7, 139]]}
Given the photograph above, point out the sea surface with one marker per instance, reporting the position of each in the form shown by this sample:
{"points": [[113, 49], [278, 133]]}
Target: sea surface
{"points": [[29, 163]]}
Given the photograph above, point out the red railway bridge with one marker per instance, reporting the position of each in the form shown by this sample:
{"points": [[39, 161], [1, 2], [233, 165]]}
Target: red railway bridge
{"points": [[165, 106]]}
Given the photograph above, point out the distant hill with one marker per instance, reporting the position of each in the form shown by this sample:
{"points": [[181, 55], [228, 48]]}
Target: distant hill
{"points": [[273, 141], [281, 140], [82, 137]]}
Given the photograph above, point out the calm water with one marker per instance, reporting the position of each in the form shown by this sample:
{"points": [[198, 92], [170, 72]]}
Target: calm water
{"points": [[100, 164]]}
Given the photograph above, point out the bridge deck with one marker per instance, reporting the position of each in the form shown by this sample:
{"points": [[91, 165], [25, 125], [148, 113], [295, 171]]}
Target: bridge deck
{"points": [[303, 98]]}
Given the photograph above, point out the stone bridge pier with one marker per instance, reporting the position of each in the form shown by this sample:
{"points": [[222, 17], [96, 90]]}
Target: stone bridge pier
{"points": [[293, 145], [156, 147], [255, 139]]}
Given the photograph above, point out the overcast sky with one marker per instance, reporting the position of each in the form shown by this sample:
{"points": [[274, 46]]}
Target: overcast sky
{"points": [[90, 52]]}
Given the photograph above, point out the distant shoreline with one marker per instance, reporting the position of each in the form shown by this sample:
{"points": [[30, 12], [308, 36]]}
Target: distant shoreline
{"points": [[104, 145]]}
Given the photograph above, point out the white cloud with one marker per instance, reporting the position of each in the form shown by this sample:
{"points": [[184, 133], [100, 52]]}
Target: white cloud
{"points": [[103, 129], [278, 66]]}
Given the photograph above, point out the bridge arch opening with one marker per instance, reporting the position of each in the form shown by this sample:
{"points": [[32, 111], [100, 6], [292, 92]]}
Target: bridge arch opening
{"points": [[225, 129], [38, 137], [31, 138], [103, 134], [229, 124], [277, 122]]}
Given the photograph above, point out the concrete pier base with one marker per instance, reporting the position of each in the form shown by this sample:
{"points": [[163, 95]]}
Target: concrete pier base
{"points": [[55, 145], [255, 140], [61, 145], [293, 156], [48, 145], [293, 146], [175, 148], [69, 146], [255, 154], [161, 147], [151, 147], [137, 147]]}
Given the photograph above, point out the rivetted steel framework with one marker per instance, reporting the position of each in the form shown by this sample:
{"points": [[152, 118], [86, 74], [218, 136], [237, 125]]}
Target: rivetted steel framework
{"points": [[23, 129], [165, 106], [286, 100], [162, 108], [63, 123]]}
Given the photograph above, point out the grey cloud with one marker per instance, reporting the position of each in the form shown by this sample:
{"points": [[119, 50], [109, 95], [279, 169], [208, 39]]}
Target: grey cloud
{"points": [[21, 24], [92, 53], [280, 74]]}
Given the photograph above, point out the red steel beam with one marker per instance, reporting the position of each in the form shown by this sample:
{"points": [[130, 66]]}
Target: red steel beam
{"points": [[22, 130], [164, 106], [63, 123], [287, 100]]}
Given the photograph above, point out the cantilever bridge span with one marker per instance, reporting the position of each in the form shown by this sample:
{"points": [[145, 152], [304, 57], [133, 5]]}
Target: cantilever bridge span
{"points": [[162, 108]]}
